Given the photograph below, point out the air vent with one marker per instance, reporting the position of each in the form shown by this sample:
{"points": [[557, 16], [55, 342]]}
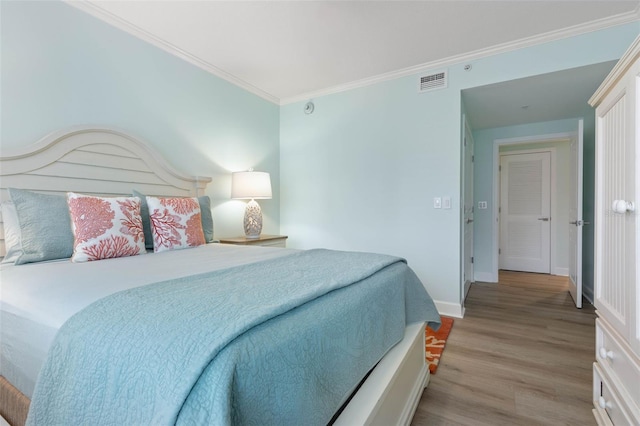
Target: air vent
{"points": [[433, 81]]}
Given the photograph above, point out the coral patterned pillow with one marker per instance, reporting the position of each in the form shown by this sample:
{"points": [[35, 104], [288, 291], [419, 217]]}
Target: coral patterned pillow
{"points": [[176, 223], [104, 228]]}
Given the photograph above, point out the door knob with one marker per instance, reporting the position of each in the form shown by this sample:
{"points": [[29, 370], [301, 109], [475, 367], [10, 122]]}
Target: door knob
{"points": [[604, 353], [469, 220], [622, 206], [604, 404], [544, 219]]}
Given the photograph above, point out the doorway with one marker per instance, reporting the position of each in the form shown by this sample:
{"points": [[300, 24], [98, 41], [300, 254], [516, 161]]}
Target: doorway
{"points": [[559, 203]]}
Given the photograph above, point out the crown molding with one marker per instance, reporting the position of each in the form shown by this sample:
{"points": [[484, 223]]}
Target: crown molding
{"points": [[617, 73], [138, 32], [620, 19], [96, 11]]}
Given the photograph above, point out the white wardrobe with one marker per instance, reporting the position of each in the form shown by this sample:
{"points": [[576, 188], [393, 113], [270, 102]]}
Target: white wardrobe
{"points": [[616, 372]]}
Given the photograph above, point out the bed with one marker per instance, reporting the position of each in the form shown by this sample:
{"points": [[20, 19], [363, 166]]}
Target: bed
{"points": [[240, 335]]}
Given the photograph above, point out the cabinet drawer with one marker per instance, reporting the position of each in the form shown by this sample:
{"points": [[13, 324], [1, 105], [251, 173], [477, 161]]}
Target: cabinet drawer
{"points": [[620, 363], [273, 243], [609, 409]]}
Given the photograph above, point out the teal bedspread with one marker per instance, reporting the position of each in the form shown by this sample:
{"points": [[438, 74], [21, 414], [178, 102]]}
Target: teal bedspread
{"points": [[283, 341]]}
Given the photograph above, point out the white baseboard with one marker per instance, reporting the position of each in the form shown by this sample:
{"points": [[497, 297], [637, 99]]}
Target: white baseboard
{"points": [[485, 277], [561, 271], [449, 309]]}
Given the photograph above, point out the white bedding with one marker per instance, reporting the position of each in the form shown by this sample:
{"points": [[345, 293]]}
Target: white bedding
{"points": [[36, 299]]}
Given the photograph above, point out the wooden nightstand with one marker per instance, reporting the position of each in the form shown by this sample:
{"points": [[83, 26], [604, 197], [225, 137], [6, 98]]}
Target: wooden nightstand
{"points": [[264, 240]]}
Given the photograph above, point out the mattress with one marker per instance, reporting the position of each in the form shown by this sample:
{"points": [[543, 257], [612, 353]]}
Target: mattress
{"points": [[36, 299]]}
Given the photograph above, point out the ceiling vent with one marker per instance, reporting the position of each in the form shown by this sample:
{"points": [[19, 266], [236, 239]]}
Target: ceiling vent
{"points": [[433, 81]]}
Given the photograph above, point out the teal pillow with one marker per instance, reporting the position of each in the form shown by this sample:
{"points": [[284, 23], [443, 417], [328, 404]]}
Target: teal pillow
{"points": [[146, 222], [205, 213], [45, 226], [207, 218]]}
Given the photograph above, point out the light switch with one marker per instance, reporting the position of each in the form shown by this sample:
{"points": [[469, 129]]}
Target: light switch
{"points": [[437, 203], [446, 202]]}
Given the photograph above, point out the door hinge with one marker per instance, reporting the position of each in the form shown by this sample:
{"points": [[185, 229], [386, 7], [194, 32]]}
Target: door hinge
{"points": [[499, 251], [473, 158], [471, 259], [499, 168]]}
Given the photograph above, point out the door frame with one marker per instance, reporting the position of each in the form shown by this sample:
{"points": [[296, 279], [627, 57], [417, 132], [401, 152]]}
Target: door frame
{"points": [[497, 143], [464, 288], [552, 198]]}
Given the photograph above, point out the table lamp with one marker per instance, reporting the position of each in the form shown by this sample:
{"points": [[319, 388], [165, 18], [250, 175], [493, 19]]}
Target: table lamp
{"points": [[251, 185]]}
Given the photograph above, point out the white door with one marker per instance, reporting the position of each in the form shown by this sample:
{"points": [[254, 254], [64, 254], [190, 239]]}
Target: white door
{"points": [[576, 223], [467, 216], [525, 212]]}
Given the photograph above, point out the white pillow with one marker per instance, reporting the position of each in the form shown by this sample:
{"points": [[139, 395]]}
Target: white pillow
{"points": [[12, 236], [176, 223], [105, 228]]}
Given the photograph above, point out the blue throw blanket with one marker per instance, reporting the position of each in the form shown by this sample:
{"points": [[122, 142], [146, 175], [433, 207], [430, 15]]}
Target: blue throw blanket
{"points": [[168, 353]]}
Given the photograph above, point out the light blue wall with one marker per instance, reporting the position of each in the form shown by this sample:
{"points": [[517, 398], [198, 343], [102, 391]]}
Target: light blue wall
{"points": [[361, 172], [62, 67]]}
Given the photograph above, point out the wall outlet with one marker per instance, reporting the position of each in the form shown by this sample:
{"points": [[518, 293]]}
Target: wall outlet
{"points": [[446, 202], [482, 205], [437, 203]]}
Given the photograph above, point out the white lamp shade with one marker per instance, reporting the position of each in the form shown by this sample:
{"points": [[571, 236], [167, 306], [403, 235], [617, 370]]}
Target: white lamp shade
{"points": [[250, 185]]}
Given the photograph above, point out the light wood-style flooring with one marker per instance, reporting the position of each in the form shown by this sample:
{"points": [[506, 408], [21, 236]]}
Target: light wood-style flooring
{"points": [[522, 355]]}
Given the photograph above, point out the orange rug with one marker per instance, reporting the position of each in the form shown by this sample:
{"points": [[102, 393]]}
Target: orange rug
{"points": [[435, 341]]}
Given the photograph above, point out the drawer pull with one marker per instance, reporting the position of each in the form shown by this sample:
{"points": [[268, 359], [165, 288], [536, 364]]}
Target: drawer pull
{"points": [[603, 403], [604, 353]]}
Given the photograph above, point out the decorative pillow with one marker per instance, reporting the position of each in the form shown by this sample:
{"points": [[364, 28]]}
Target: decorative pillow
{"points": [[105, 228], [205, 211], [12, 244], [176, 223], [45, 226]]}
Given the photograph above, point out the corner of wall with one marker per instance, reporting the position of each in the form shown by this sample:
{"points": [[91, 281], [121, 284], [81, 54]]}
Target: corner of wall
{"points": [[449, 309]]}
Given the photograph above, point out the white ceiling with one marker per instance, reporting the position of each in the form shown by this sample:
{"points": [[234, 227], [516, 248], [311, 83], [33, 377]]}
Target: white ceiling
{"points": [[545, 97], [286, 51]]}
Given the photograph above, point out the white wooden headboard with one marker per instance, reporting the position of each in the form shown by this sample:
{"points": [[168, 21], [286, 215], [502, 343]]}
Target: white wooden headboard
{"points": [[93, 160]]}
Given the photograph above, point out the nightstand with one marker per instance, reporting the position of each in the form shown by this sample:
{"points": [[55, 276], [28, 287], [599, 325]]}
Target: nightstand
{"points": [[264, 240]]}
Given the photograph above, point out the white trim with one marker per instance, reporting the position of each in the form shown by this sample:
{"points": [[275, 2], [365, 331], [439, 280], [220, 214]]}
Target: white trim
{"points": [[575, 30], [564, 272], [618, 71], [497, 143], [485, 277], [465, 283], [128, 27], [449, 309]]}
